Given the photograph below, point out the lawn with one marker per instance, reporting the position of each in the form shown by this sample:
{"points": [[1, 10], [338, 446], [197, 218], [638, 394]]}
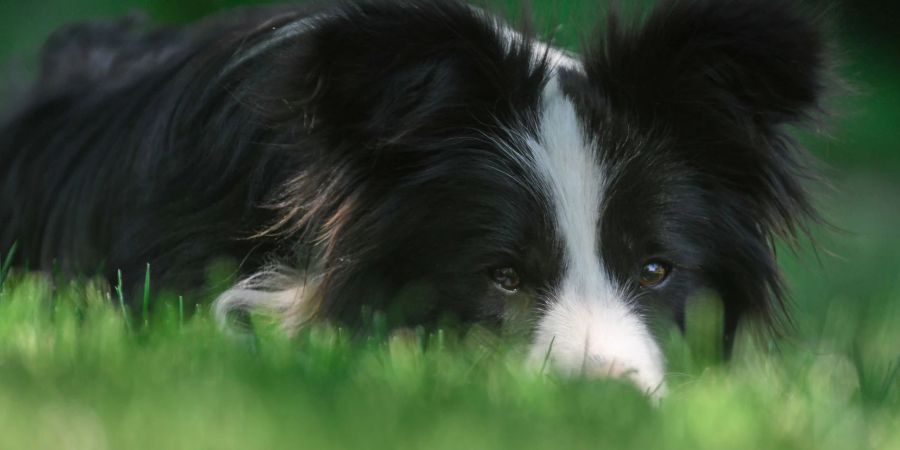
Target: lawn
{"points": [[75, 373]]}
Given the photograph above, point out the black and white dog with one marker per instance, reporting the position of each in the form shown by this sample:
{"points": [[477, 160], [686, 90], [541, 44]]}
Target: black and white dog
{"points": [[426, 160]]}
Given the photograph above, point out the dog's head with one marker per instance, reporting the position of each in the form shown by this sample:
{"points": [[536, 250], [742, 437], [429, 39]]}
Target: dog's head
{"points": [[455, 168]]}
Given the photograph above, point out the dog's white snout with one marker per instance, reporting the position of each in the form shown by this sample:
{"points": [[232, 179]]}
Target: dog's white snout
{"points": [[599, 340]]}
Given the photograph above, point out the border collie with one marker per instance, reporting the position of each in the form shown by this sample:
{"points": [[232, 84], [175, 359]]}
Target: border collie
{"points": [[428, 161]]}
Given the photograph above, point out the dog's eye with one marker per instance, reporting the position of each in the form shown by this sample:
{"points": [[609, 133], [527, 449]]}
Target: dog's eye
{"points": [[654, 273], [507, 278]]}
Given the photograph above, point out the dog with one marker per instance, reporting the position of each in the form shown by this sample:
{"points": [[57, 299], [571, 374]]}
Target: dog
{"points": [[430, 162]]}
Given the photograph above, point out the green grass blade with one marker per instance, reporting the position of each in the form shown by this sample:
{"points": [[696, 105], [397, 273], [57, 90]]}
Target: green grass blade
{"points": [[121, 297], [6, 264], [146, 303], [547, 355]]}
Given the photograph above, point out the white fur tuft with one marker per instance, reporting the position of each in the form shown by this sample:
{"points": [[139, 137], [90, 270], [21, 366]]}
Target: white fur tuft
{"points": [[280, 293]]}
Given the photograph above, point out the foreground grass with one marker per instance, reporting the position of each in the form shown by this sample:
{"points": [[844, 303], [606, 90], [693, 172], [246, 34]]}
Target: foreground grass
{"points": [[74, 374]]}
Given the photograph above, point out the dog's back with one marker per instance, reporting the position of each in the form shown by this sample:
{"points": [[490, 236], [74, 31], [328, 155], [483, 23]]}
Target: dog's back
{"points": [[46, 161], [90, 159]]}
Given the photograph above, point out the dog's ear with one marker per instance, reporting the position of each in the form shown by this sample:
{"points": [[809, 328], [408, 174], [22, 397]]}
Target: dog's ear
{"points": [[377, 72], [759, 61], [382, 93], [724, 79]]}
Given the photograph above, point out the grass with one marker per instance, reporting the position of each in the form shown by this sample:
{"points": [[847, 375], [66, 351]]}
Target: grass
{"points": [[75, 374]]}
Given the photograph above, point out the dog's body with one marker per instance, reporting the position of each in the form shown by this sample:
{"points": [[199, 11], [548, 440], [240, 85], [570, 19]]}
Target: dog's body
{"points": [[425, 160]]}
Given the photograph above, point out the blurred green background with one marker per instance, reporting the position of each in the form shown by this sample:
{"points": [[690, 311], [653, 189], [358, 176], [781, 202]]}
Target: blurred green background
{"points": [[837, 388]]}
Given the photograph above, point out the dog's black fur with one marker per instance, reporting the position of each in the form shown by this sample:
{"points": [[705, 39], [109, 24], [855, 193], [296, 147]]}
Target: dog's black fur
{"points": [[361, 146]]}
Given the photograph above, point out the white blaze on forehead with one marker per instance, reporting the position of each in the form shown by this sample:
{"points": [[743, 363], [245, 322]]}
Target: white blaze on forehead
{"points": [[588, 325]]}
